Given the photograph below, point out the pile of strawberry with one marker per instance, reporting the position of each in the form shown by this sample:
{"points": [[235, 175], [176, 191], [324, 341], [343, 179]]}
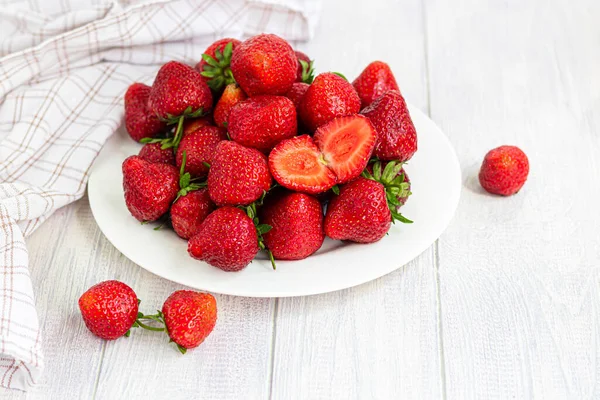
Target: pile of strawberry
{"points": [[246, 150]]}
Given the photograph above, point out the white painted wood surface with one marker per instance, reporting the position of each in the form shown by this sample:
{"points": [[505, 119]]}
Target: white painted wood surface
{"points": [[506, 305]]}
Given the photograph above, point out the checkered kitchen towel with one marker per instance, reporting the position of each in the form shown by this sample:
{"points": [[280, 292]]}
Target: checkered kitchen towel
{"points": [[64, 67]]}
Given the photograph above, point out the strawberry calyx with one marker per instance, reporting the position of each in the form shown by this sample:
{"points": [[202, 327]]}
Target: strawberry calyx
{"points": [[186, 182], [172, 142], [308, 71], [394, 184], [340, 75], [155, 319], [252, 213], [218, 68]]}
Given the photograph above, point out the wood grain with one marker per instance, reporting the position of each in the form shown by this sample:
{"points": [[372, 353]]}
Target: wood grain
{"points": [[378, 340], [519, 276]]}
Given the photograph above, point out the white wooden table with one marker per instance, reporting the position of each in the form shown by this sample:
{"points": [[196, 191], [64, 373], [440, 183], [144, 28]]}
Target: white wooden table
{"points": [[506, 304]]}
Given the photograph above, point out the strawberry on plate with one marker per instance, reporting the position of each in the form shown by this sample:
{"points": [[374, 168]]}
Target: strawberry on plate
{"points": [[109, 309], [296, 93], [227, 239], [189, 211], [238, 175], [367, 206], [231, 96], [189, 317], [140, 121], [328, 97], [215, 63], [376, 79], [154, 153], [264, 64], [339, 153], [149, 188], [199, 147], [179, 92], [296, 221], [263, 121], [397, 136], [504, 170]]}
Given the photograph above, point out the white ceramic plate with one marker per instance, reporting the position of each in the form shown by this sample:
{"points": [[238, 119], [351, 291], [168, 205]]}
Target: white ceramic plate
{"points": [[436, 182]]}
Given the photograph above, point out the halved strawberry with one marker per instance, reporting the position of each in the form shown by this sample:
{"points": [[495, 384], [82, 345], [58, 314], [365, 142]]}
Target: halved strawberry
{"points": [[346, 144], [298, 164]]}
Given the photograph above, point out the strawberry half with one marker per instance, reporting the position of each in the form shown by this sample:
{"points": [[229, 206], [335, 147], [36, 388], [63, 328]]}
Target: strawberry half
{"points": [[346, 144], [339, 153], [298, 164]]}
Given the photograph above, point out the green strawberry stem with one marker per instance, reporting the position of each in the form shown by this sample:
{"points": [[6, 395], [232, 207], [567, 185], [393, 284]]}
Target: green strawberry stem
{"points": [[173, 142], [308, 71], [251, 211], [157, 318], [186, 183], [218, 69], [394, 186]]}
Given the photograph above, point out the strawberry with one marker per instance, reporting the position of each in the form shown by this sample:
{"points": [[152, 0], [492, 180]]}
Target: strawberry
{"points": [[397, 137], [215, 63], [154, 153], [306, 70], [298, 164], [264, 64], [359, 213], [376, 79], [346, 144], [149, 188], [227, 239], [199, 147], [328, 97], [109, 309], [189, 317], [140, 121], [296, 93], [504, 170], [238, 175], [297, 225], [231, 96], [188, 212], [192, 125], [263, 121], [179, 92]]}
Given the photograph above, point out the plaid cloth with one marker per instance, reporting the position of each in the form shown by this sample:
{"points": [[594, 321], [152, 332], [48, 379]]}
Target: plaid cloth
{"points": [[64, 67]]}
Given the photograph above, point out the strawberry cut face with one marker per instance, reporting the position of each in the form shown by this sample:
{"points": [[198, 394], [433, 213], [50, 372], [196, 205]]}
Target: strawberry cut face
{"points": [[346, 144]]}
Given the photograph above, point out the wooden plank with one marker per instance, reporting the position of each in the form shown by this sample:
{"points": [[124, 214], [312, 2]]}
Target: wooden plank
{"points": [[520, 276], [378, 340]]}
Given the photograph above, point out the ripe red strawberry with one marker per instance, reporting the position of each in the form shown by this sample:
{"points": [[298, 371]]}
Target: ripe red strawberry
{"points": [[328, 97], [264, 64], [397, 137], [231, 96], [504, 170], [154, 153], [306, 71], [179, 90], [346, 144], [215, 63], [298, 164], [227, 239], [199, 147], [189, 317], [109, 309], [189, 211], [149, 188], [263, 121], [192, 125], [376, 79], [296, 93], [140, 121], [297, 225], [238, 175], [359, 213]]}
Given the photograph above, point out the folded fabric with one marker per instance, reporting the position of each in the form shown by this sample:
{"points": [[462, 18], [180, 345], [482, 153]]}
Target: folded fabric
{"points": [[64, 67]]}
